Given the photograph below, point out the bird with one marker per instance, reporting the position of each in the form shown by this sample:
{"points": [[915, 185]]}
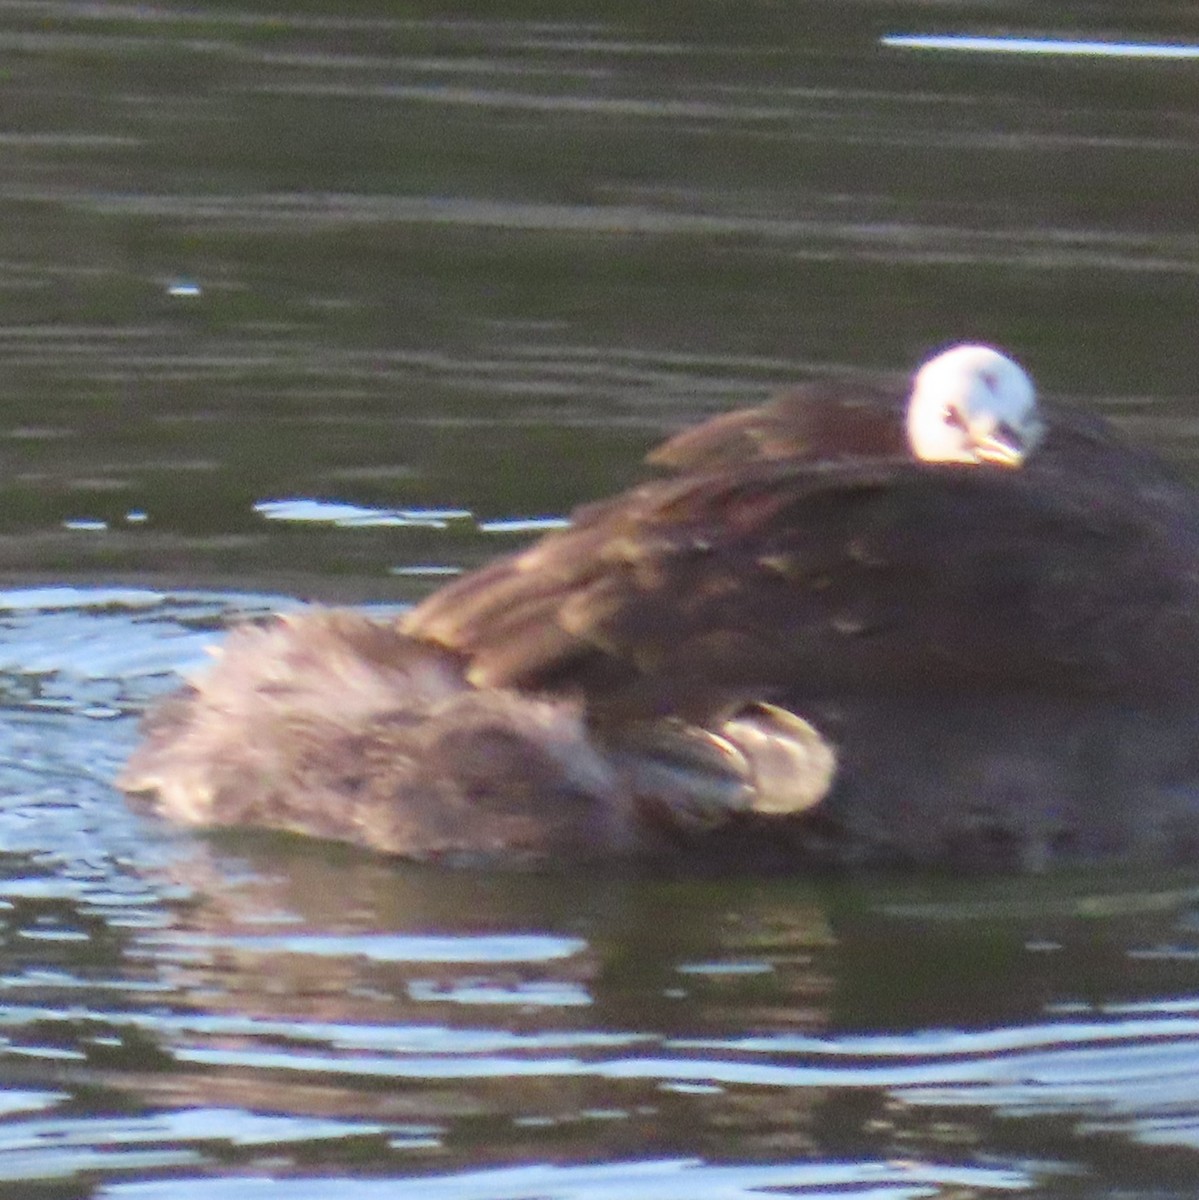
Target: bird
{"points": [[945, 626]]}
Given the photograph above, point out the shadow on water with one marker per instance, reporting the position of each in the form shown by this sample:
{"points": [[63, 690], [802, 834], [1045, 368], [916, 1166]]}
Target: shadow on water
{"points": [[336, 305]]}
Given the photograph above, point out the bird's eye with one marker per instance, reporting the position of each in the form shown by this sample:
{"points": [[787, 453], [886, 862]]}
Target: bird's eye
{"points": [[953, 418]]}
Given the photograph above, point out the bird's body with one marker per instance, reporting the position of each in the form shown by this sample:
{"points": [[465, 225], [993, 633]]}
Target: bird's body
{"points": [[808, 640], [766, 563]]}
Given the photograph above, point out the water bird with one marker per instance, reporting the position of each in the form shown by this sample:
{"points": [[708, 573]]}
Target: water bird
{"points": [[941, 625]]}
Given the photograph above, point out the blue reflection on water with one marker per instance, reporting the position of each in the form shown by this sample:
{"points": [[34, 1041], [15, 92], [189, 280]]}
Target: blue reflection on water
{"points": [[661, 1179], [1031, 45]]}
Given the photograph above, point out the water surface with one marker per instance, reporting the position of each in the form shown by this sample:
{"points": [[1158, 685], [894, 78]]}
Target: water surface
{"points": [[310, 304]]}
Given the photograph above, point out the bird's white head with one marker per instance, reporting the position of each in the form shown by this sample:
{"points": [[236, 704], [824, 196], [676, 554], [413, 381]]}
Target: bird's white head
{"points": [[971, 404]]}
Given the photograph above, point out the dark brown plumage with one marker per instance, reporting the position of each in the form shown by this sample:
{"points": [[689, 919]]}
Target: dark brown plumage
{"points": [[799, 644], [760, 570]]}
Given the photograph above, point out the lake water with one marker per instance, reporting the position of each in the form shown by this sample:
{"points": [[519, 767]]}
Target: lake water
{"points": [[305, 302]]}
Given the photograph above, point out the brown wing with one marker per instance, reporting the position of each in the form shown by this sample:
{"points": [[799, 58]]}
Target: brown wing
{"points": [[784, 579], [818, 422], [508, 613]]}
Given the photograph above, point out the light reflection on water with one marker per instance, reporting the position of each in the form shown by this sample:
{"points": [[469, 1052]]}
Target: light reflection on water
{"points": [[674, 1179], [1058, 45], [509, 948]]}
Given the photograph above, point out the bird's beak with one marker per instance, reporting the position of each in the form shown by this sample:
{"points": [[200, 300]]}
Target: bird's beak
{"points": [[1006, 447]]}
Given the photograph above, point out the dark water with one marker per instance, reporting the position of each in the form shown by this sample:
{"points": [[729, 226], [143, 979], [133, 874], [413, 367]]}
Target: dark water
{"points": [[295, 303]]}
